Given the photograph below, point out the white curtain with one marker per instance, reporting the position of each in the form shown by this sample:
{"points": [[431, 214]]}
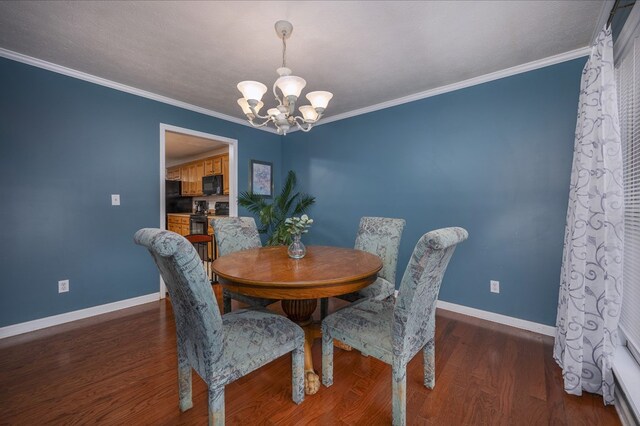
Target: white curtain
{"points": [[591, 278]]}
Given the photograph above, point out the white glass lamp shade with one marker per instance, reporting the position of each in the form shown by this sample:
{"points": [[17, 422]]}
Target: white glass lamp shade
{"points": [[273, 112], [319, 99], [290, 85], [245, 106], [252, 90], [308, 113]]}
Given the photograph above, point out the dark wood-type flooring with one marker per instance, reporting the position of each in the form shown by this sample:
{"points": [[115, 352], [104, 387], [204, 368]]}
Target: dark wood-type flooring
{"points": [[120, 368]]}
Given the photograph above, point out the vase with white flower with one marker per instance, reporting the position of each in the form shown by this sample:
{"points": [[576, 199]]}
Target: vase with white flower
{"points": [[296, 226]]}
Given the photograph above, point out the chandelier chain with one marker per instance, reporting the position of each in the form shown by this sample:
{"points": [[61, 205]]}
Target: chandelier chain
{"points": [[284, 51]]}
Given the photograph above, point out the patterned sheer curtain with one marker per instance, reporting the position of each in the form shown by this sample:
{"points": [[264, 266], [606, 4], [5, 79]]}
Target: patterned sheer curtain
{"points": [[591, 278]]}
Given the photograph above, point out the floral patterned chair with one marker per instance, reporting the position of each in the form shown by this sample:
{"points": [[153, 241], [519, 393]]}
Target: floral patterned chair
{"points": [[219, 349], [395, 330], [235, 234], [380, 236]]}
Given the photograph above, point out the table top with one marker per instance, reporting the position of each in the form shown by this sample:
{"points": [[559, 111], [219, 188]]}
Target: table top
{"points": [[269, 272]]}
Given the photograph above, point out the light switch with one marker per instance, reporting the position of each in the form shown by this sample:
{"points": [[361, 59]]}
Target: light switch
{"points": [[115, 199]]}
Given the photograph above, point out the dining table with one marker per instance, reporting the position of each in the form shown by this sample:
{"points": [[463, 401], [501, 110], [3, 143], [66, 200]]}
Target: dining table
{"points": [[268, 272]]}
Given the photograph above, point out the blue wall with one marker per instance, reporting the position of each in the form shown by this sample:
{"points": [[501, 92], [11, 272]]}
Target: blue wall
{"points": [[493, 158], [65, 146]]}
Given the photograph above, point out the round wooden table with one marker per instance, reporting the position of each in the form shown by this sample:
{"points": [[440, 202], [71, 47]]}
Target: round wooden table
{"points": [[270, 273]]}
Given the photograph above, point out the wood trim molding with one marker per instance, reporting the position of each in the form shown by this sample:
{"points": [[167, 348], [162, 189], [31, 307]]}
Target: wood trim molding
{"points": [[546, 330], [25, 327]]}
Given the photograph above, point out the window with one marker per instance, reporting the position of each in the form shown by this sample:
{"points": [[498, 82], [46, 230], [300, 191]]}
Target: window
{"points": [[627, 64]]}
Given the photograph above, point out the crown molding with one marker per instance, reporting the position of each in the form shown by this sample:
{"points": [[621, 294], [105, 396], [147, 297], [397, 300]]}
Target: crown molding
{"points": [[49, 66], [529, 66]]}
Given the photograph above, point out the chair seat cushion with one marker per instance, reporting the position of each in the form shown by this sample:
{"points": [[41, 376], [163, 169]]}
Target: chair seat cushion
{"points": [[365, 325], [380, 289], [253, 338]]}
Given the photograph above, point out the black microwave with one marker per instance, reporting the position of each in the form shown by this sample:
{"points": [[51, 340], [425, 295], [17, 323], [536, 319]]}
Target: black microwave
{"points": [[212, 185]]}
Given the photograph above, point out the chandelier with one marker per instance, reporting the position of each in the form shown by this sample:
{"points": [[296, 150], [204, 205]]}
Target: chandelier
{"points": [[290, 86]]}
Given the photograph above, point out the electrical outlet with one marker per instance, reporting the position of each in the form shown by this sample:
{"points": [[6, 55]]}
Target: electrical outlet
{"points": [[495, 286], [115, 199], [63, 286]]}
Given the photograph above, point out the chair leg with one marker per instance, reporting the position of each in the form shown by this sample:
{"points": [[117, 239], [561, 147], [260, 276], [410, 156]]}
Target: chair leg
{"points": [[184, 386], [226, 303], [216, 406], [324, 307], [297, 374], [399, 395], [430, 364], [327, 358]]}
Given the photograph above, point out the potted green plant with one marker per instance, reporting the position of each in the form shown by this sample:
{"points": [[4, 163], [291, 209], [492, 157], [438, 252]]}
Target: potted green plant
{"points": [[272, 216]]}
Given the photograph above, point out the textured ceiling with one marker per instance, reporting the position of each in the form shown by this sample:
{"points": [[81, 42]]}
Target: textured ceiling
{"points": [[364, 52], [179, 146]]}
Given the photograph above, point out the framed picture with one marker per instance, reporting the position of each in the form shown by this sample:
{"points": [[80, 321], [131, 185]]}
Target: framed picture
{"points": [[261, 178]]}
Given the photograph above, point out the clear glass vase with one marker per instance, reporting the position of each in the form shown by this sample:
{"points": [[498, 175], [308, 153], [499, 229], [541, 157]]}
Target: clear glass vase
{"points": [[296, 249]]}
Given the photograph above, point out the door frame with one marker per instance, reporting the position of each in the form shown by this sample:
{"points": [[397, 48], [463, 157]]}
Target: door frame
{"points": [[233, 174]]}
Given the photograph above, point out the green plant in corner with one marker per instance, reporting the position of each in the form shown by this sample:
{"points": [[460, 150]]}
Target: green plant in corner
{"points": [[272, 216]]}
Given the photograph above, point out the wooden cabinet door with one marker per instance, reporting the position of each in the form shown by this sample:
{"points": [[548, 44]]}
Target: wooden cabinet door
{"points": [[225, 175], [217, 165], [198, 177], [192, 179], [173, 173], [208, 167], [184, 177]]}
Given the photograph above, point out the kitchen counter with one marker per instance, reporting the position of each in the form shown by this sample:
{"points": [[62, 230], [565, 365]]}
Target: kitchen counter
{"points": [[189, 214]]}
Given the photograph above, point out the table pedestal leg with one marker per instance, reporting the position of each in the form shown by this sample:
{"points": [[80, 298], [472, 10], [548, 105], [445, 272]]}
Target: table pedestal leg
{"points": [[300, 311]]}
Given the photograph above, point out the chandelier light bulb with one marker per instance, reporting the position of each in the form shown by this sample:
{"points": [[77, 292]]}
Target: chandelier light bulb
{"points": [[319, 99], [245, 106], [309, 113], [291, 85], [252, 90]]}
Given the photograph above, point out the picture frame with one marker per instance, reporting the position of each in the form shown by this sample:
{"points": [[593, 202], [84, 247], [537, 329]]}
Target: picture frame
{"points": [[261, 178]]}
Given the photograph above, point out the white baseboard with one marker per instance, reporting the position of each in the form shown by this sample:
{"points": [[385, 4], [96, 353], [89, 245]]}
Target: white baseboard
{"points": [[38, 324], [547, 330]]}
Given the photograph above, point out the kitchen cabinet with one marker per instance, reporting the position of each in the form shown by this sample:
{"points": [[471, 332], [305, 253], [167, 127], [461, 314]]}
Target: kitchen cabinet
{"points": [[184, 177], [178, 224], [199, 173], [217, 165], [225, 174], [173, 173], [208, 167], [191, 174]]}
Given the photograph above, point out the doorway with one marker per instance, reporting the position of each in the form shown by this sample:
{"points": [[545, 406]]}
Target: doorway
{"points": [[180, 145]]}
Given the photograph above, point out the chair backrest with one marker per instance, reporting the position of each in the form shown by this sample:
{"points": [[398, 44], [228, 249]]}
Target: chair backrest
{"points": [[414, 313], [198, 320], [235, 234], [381, 236]]}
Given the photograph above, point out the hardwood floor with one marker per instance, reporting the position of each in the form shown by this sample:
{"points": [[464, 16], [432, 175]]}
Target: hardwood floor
{"points": [[120, 368]]}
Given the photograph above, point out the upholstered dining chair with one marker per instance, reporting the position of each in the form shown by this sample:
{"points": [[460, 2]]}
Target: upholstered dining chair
{"points": [[395, 330], [220, 349], [380, 236], [235, 234]]}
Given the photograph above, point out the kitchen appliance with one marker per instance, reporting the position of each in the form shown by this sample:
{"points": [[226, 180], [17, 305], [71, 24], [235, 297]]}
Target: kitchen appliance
{"points": [[198, 224], [202, 207], [222, 208], [212, 185], [174, 202]]}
